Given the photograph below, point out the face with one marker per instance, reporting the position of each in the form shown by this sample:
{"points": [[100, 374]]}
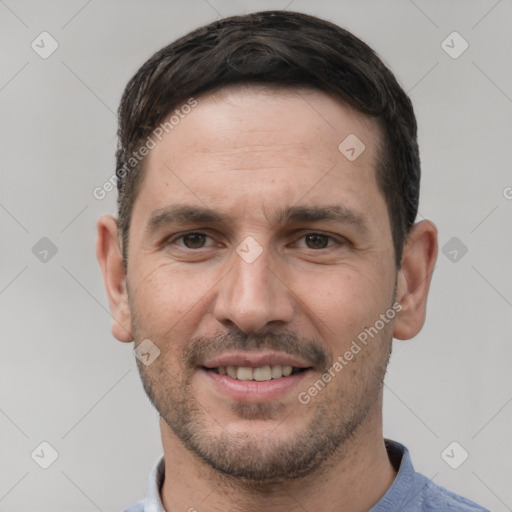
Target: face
{"points": [[256, 245]]}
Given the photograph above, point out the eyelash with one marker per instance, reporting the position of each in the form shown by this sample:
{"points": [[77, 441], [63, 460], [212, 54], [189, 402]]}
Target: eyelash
{"points": [[172, 240]]}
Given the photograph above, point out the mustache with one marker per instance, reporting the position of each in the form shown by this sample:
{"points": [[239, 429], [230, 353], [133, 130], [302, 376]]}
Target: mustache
{"points": [[204, 348]]}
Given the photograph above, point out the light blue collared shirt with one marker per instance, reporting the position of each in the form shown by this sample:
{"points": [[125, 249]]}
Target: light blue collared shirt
{"points": [[410, 491]]}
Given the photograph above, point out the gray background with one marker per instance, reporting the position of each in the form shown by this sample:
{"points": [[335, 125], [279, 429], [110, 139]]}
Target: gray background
{"points": [[64, 379]]}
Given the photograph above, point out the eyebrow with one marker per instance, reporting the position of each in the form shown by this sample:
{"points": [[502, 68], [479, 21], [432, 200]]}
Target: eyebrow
{"points": [[182, 214]]}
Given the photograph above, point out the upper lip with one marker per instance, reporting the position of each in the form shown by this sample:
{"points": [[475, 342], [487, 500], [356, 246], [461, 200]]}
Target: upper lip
{"points": [[255, 360]]}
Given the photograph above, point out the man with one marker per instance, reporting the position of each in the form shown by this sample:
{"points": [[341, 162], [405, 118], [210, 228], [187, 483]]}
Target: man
{"points": [[264, 256]]}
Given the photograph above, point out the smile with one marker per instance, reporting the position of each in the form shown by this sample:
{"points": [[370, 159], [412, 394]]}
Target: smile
{"points": [[259, 374]]}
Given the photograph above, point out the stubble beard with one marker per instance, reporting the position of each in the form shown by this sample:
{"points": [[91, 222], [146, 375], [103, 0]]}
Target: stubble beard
{"points": [[277, 455]]}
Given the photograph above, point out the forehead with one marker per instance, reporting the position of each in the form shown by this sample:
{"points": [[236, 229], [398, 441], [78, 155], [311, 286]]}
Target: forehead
{"points": [[247, 143], [258, 119]]}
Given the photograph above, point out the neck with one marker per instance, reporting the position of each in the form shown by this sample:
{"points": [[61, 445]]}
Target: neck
{"points": [[352, 480]]}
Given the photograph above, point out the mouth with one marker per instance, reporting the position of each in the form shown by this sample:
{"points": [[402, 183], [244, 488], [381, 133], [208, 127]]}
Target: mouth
{"points": [[254, 376], [258, 374]]}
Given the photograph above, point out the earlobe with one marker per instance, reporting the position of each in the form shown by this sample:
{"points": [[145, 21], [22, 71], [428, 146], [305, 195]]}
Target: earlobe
{"points": [[414, 277], [114, 275]]}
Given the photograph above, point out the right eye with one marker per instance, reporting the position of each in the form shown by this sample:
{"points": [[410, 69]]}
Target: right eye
{"points": [[192, 240]]}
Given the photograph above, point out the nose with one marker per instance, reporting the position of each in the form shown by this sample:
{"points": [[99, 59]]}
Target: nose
{"points": [[252, 295]]}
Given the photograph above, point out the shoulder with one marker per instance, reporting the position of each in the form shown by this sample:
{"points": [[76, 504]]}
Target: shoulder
{"points": [[433, 497], [413, 492], [136, 507]]}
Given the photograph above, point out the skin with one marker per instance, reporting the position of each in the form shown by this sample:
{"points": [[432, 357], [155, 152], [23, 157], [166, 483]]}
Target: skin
{"points": [[245, 152]]}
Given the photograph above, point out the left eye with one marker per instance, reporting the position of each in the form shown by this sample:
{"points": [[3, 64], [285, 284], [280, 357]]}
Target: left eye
{"points": [[317, 241], [194, 240]]}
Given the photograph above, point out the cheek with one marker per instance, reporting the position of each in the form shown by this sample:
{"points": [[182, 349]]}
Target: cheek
{"points": [[166, 301], [342, 303]]}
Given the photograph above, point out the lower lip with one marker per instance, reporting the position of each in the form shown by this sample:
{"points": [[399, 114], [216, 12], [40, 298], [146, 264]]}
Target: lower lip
{"points": [[253, 391]]}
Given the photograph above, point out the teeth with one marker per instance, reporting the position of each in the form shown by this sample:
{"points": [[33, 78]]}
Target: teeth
{"points": [[276, 371], [244, 373], [259, 374], [287, 370], [262, 373]]}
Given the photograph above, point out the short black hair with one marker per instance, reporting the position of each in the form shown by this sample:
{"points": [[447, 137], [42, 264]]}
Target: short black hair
{"points": [[278, 48]]}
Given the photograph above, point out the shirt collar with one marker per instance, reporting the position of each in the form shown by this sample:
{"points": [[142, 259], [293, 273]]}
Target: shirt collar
{"points": [[153, 501], [404, 483]]}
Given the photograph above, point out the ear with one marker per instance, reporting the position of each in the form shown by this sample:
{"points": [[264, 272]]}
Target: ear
{"points": [[418, 261], [111, 262]]}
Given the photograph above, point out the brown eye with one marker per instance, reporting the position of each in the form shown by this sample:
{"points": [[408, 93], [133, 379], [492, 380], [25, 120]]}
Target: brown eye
{"points": [[317, 241], [194, 240]]}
